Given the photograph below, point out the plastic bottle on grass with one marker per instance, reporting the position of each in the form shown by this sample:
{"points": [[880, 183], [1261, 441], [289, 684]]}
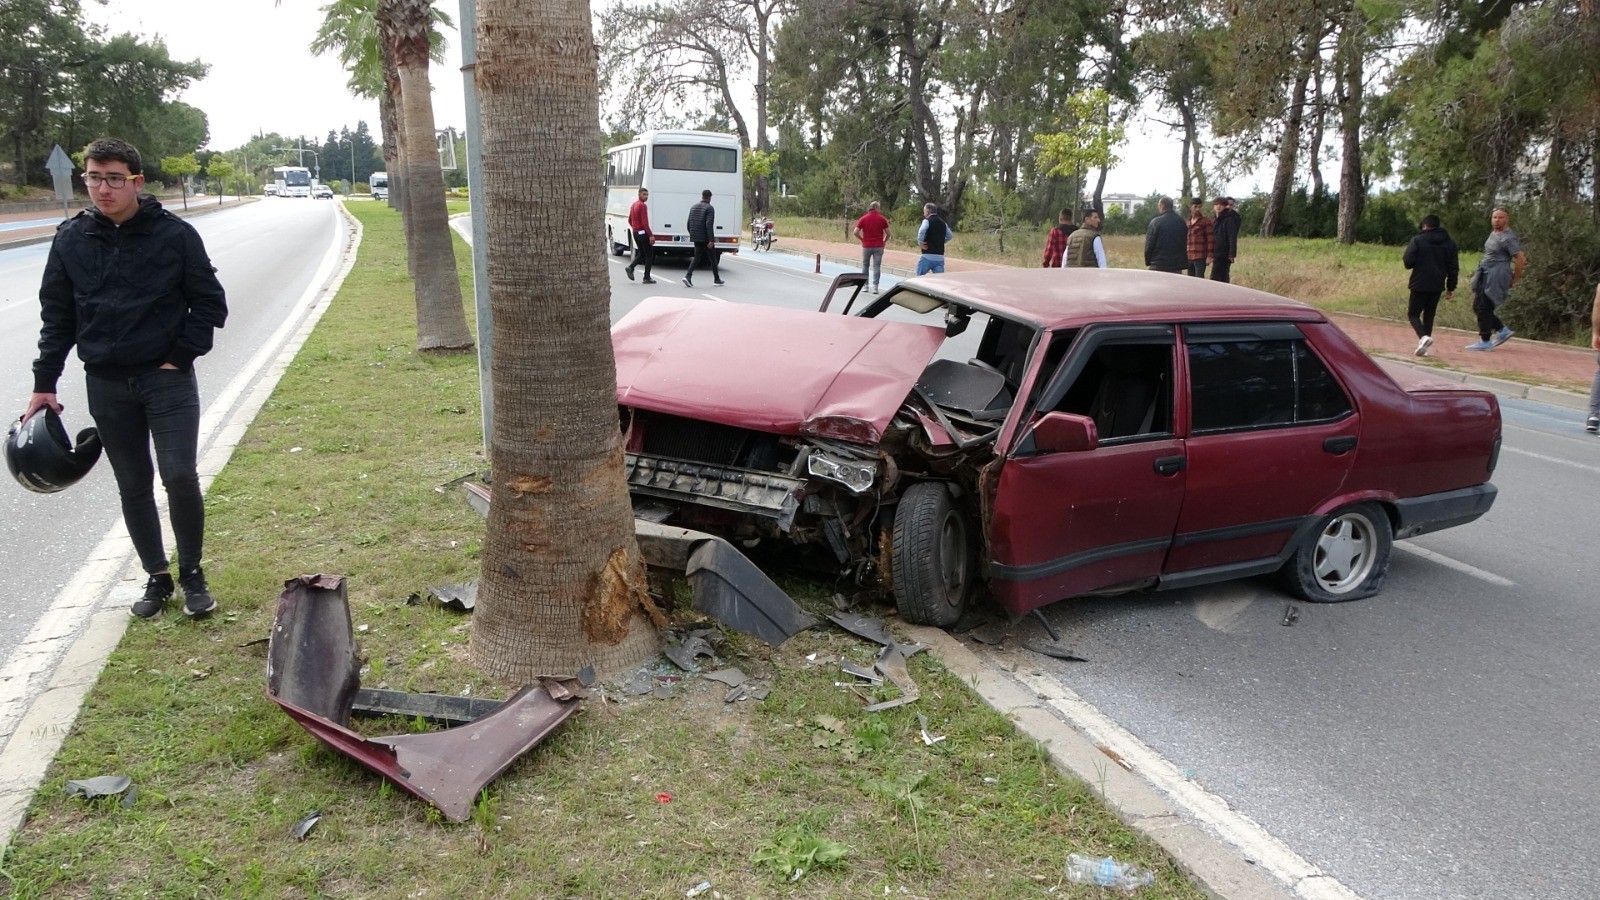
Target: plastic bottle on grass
{"points": [[1107, 872]]}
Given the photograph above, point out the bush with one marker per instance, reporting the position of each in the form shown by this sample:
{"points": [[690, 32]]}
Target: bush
{"points": [[1553, 299]]}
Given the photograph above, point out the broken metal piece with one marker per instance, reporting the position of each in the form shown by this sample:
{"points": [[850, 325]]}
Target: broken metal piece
{"points": [[312, 673], [992, 633], [1052, 650], [477, 497], [1291, 614], [459, 597], [684, 652], [724, 583], [304, 826], [863, 626], [1038, 613], [893, 666], [448, 710], [100, 786], [729, 677], [640, 684], [868, 675]]}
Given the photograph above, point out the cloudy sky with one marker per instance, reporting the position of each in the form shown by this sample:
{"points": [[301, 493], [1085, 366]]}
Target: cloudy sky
{"points": [[263, 79]]}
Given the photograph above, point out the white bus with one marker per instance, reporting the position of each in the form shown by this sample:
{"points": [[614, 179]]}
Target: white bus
{"points": [[379, 183], [675, 166], [292, 181]]}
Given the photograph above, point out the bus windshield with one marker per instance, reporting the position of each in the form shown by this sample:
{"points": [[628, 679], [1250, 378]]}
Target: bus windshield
{"points": [[297, 177], [690, 158]]}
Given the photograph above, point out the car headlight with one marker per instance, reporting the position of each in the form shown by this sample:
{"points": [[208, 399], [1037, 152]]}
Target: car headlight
{"points": [[857, 476]]}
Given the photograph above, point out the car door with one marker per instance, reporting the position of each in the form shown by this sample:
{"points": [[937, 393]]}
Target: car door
{"points": [[1067, 523], [1271, 437]]}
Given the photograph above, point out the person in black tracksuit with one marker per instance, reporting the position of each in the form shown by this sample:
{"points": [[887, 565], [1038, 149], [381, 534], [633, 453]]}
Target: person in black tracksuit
{"points": [[131, 285], [1225, 247], [1435, 264], [702, 233]]}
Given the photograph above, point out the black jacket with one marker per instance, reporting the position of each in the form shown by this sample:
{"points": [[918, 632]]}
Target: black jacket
{"points": [[131, 297], [702, 223], [1166, 243], [1227, 231], [1433, 260]]}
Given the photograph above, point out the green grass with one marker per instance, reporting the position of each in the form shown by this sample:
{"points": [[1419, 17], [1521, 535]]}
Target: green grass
{"points": [[338, 474]]}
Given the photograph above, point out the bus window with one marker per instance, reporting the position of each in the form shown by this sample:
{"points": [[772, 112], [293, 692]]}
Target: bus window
{"points": [[695, 159]]}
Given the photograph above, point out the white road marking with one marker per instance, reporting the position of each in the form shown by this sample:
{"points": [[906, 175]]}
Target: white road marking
{"points": [[1459, 566], [1551, 459], [1255, 842]]}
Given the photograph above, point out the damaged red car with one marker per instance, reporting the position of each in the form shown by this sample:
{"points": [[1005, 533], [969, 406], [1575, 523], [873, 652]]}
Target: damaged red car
{"points": [[1030, 436]]}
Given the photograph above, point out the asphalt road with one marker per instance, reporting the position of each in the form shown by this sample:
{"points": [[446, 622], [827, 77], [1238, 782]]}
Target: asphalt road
{"points": [[266, 255], [1428, 743]]}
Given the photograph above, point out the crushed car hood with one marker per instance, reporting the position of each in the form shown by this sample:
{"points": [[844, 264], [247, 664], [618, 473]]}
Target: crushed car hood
{"points": [[782, 371]]}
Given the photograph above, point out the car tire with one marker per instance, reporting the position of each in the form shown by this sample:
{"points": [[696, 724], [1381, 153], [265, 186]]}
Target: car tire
{"points": [[1345, 558], [932, 563]]}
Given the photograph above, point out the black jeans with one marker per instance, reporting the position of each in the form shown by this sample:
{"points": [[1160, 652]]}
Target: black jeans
{"points": [[1424, 305], [129, 412], [1488, 321], [643, 249], [1197, 268], [1222, 269], [705, 254]]}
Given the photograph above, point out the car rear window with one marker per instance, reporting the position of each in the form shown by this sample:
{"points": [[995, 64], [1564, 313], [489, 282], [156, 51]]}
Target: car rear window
{"points": [[1260, 383]]}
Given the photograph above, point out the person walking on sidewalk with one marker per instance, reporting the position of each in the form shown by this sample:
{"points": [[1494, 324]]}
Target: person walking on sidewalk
{"points": [[1085, 250], [1225, 246], [1166, 240], [131, 285], [931, 237], [1492, 281], [872, 230], [703, 234], [643, 238], [1201, 238], [1056, 244], [1435, 264], [1593, 424]]}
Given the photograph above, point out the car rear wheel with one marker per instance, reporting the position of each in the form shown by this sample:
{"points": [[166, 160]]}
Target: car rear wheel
{"points": [[933, 559], [1346, 558]]}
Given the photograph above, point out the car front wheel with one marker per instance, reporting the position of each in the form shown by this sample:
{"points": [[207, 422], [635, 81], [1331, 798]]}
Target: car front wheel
{"points": [[933, 559], [1346, 558]]}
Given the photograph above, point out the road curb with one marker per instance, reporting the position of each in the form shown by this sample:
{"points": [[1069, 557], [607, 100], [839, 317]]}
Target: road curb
{"points": [[1213, 865]]}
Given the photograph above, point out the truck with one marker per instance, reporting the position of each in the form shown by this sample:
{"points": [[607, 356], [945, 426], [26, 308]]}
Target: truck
{"points": [[379, 182]]}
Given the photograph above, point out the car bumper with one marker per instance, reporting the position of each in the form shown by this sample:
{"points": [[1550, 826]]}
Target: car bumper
{"points": [[1435, 512], [764, 494]]}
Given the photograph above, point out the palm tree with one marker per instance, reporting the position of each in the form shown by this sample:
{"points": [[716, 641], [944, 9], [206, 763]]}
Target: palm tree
{"points": [[563, 585], [369, 36]]}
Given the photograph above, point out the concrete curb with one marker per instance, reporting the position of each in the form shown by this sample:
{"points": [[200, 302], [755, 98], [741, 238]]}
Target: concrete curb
{"points": [[1217, 867]]}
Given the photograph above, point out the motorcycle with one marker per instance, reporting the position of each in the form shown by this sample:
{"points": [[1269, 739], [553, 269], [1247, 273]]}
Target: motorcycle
{"points": [[762, 233]]}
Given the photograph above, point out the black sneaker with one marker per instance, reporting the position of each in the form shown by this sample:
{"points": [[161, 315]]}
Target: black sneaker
{"points": [[628, 271], [157, 591], [687, 283], [648, 280], [197, 601], [719, 282]]}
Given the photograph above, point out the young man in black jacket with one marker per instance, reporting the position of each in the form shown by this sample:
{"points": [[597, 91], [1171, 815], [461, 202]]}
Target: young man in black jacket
{"points": [[1435, 264], [1225, 247], [703, 234], [131, 285]]}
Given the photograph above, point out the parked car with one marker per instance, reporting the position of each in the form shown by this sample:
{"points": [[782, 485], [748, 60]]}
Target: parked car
{"points": [[322, 192], [1040, 437]]}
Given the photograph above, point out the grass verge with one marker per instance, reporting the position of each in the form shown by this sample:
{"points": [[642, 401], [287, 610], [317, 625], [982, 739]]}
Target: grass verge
{"points": [[634, 797]]}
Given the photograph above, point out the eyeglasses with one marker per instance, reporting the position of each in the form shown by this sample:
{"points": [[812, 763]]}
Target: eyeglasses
{"points": [[116, 182]]}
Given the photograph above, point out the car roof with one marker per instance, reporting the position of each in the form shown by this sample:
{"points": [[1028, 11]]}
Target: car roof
{"points": [[1060, 298]]}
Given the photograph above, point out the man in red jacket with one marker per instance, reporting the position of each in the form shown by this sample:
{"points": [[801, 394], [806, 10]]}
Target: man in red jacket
{"points": [[643, 238]]}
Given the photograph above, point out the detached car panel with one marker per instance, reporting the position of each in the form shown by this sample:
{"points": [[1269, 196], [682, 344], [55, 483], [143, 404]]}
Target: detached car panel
{"points": [[1044, 436]]}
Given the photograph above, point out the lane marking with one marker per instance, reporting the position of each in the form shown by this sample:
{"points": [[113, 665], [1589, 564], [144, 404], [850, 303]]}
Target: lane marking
{"points": [[1551, 459], [1257, 844], [1459, 566]]}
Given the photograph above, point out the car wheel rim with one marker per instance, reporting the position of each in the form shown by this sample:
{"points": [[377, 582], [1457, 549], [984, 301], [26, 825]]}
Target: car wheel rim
{"points": [[953, 557], [1345, 553]]}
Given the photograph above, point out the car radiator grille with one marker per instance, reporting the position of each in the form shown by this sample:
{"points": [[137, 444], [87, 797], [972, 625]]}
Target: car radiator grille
{"points": [[719, 445]]}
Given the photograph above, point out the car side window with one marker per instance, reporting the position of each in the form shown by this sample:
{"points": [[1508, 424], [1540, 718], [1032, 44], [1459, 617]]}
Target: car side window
{"points": [[1260, 383], [1126, 388]]}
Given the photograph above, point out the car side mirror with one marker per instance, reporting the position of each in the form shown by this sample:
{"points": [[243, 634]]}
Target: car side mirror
{"points": [[1060, 432]]}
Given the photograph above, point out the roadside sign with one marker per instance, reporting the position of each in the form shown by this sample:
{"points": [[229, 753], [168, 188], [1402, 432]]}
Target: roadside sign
{"points": [[59, 165]]}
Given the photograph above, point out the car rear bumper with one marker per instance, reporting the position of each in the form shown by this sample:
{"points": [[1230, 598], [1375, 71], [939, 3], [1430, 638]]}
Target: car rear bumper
{"points": [[1435, 512]]}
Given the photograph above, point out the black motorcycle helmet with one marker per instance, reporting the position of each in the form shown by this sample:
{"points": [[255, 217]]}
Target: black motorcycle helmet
{"points": [[42, 459]]}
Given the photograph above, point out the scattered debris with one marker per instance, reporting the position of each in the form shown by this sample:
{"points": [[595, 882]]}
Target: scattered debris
{"points": [[663, 797], [459, 597], [1115, 757], [303, 827], [256, 642], [313, 675], [684, 651], [448, 710], [893, 666], [928, 739], [872, 629], [729, 677], [870, 676], [1291, 614], [991, 633], [100, 786], [698, 889], [1051, 649], [640, 684]]}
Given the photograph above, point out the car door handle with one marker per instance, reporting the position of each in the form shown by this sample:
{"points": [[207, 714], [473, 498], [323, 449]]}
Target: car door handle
{"points": [[1343, 443], [1171, 465]]}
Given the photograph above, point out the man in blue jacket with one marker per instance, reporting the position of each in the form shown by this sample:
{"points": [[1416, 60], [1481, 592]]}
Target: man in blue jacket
{"points": [[131, 285]]}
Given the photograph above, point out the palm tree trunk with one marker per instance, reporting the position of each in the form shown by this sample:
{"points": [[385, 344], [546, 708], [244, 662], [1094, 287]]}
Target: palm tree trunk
{"points": [[563, 583]]}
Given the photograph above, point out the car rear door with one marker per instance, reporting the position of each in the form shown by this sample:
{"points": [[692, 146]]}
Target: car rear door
{"points": [[1271, 437], [1072, 522]]}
